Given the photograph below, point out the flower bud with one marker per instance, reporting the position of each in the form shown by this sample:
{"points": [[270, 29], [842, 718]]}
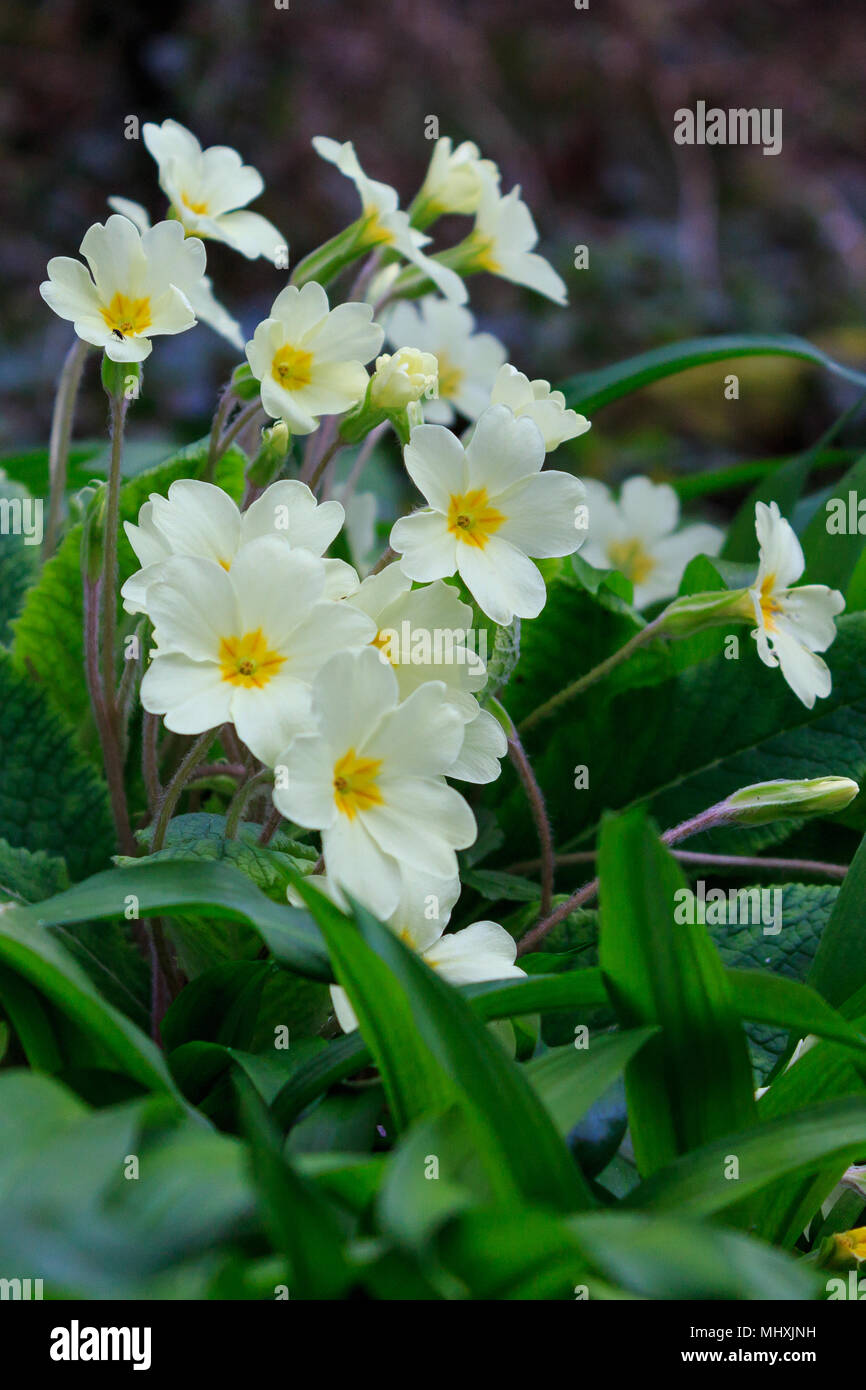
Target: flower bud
{"points": [[243, 384], [276, 442], [403, 377], [694, 612], [780, 800]]}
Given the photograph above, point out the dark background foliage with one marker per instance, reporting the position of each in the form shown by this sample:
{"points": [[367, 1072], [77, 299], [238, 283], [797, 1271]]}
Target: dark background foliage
{"points": [[577, 106]]}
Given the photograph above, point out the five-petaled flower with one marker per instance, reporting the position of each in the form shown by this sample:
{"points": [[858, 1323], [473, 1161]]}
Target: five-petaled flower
{"points": [[230, 647], [637, 535], [371, 779], [138, 286], [793, 624], [490, 508], [310, 358]]}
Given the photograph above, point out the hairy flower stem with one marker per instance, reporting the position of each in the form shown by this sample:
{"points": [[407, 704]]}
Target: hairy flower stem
{"points": [[564, 696], [270, 827], [535, 798], [222, 410], [61, 434], [175, 786], [321, 444], [322, 464], [150, 760], [690, 856], [241, 420], [241, 798], [715, 815], [384, 559], [361, 460], [106, 708]]}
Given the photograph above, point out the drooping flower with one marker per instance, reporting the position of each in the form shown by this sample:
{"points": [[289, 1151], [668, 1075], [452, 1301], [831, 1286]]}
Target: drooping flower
{"points": [[793, 624], [490, 508], [310, 358], [426, 635], [637, 535], [384, 224], [138, 286], [206, 306], [403, 377], [199, 519], [468, 361], [453, 182], [372, 780], [538, 402], [502, 242], [209, 190], [244, 645]]}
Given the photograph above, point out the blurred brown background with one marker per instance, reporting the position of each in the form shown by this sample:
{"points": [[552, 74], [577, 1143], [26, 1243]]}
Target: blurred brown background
{"points": [[576, 105]]}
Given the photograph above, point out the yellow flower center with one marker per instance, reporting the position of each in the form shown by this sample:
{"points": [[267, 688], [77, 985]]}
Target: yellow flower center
{"points": [[632, 559], [292, 368], [200, 209], [450, 378], [482, 254], [248, 661], [769, 602], [355, 786], [374, 233], [126, 316], [472, 519]]}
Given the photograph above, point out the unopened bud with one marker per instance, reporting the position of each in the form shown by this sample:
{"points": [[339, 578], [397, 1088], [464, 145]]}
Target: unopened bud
{"points": [[403, 377], [694, 612], [780, 800]]}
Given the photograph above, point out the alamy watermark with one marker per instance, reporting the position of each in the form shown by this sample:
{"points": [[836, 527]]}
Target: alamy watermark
{"points": [[737, 907], [22, 517], [439, 646], [737, 126]]}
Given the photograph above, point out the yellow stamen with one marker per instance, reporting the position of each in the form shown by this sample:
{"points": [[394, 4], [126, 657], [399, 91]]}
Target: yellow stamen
{"points": [[355, 786], [450, 378], [200, 209], [769, 603], [127, 316], [292, 368], [632, 559], [248, 661], [472, 519]]}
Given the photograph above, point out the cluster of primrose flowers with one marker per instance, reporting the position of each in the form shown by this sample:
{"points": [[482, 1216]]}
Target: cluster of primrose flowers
{"points": [[255, 627]]}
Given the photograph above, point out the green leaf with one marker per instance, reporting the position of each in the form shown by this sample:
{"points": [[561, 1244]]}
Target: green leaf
{"points": [[696, 1184], [589, 391], [49, 632], [663, 973], [832, 556], [431, 1051], [27, 877], [570, 1080], [784, 486], [213, 890], [839, 968], [489, 1001], [51, 799], [756, 994], [737, 723], [19, 565], [300, 1221], [34, 955]]}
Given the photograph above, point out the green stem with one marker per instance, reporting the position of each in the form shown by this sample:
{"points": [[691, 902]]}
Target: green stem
{"points": [[61, 434], [175, 786], [569, 692], [241, 799]]}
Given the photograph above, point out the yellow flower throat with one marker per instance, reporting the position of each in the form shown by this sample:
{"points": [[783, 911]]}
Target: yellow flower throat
{"points": [[471, 517], [355, 785]]}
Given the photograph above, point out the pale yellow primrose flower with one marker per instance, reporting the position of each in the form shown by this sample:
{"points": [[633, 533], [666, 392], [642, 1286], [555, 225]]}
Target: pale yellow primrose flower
{"points": [[536, 400], [206, 306], [403, 377], [503, 241], [209, 190], [638, 536], [138, 286], [490, 508], [425, 634], [309, 358], [386, 225], [454, 180], [793, 624], [372, 779], [201, 520], [245, 645], [468, 361]]}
